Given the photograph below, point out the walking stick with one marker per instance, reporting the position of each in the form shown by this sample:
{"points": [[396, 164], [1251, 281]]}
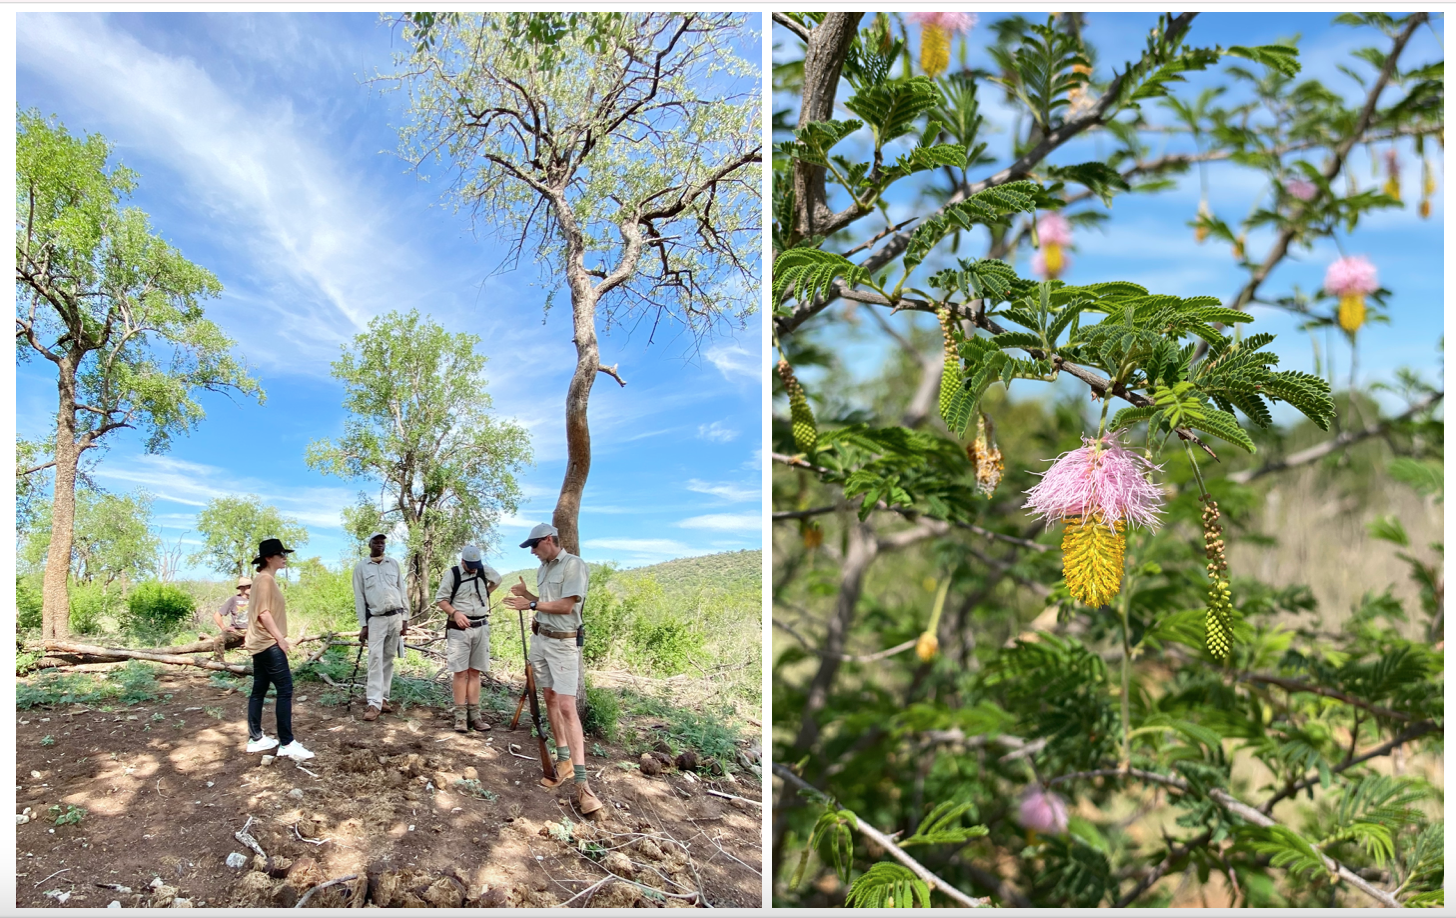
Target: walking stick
{"points": [[352, 676], [548, 765]]}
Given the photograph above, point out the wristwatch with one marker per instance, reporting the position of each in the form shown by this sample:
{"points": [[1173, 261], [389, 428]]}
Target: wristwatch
{"points": [[533, 605]]}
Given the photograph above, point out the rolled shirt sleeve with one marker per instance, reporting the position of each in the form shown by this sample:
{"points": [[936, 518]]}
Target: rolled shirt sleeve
{"points": [[492, 576], [447, 583], [574, 580]]}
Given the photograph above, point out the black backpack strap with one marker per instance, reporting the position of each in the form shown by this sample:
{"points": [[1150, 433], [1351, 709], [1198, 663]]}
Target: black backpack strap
{"points": [[456, 588]]}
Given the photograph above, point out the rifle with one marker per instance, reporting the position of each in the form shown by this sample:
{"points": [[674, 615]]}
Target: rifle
{"points": [[548, 765]]}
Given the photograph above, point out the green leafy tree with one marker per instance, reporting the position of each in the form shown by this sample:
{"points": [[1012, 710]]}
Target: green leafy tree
{"points": [[623, 146], [113, 538], [420, 426], [115, 309], [232, 527], [1006, 700]]}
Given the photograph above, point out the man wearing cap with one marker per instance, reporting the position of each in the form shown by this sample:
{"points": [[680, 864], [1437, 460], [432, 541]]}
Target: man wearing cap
{"points": [[232, 618], [379, 603], [562, 580], [464, 597]]}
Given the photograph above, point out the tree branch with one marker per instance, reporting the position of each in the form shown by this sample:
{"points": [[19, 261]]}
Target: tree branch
{"points": [[845, 657], [1348, 438], [1294, 685], [612, 372], [891, 848]]}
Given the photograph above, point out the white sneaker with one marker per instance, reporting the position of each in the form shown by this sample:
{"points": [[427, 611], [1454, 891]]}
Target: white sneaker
{"points": [[295, 751], [262, 745]]}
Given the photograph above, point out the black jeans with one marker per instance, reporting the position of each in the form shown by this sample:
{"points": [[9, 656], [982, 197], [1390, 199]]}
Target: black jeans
{"points": [[271, 668]]}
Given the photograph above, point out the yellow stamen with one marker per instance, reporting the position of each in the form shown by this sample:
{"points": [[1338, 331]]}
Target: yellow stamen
{"points": [[1092, 559], [927, 647], [1051, 254], [1352, 312], [934, 50]]}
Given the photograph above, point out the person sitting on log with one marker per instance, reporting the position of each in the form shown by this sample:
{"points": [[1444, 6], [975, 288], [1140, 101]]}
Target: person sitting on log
{"points": [[232, 618]]}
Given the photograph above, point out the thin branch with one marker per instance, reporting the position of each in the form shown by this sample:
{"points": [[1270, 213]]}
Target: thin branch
{"points": [[1349, 437], [798, 30], [846, 657], [1414, 731], [612, 372], [891, 848], [1294, 685]]}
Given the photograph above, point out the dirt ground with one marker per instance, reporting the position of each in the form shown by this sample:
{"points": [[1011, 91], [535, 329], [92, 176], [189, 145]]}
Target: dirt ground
{"points": [[165, 785]]}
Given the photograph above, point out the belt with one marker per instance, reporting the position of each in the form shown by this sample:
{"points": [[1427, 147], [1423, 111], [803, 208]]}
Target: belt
{"points": [[391, 612], [474, 622], [559, 635]]}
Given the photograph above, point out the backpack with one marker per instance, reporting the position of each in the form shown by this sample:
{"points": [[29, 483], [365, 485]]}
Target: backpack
{"points": [[456, 588]]}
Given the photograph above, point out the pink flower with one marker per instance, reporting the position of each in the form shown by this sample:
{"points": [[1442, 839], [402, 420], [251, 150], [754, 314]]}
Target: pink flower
{"points": [[1042, 811], [950, 22], [1053, 229], [1301, 188], [1354, 274], [1101, 478]]}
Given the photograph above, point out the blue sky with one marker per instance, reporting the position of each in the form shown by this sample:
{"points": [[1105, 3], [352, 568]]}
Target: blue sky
{"points": [[265, 156], [1147, 239]]}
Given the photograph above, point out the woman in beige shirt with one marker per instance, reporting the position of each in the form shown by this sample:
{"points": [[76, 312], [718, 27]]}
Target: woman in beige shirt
{"points": [[267, 641]]}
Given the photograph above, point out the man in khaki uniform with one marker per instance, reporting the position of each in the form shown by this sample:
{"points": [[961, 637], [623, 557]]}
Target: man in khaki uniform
{"points": [[379, 603], [562, 580], [464, 597]]}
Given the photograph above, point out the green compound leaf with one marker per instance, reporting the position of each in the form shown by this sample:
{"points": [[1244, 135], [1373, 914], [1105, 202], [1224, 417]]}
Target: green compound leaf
{"points": [[939, 827], [987, 207], [887, 885], [806, 273], [1282, 58], [892, 108]]}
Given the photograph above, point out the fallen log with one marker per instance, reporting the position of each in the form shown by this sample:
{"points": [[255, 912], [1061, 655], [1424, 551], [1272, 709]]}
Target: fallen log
{"points": [[206, 644], [87, 653]]}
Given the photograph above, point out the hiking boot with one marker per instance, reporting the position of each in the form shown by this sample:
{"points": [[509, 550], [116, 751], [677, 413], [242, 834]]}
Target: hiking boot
{"points": [[477, 719], [564, 773], [462, 720], [372, 713], [586, 801], [386, 707]]}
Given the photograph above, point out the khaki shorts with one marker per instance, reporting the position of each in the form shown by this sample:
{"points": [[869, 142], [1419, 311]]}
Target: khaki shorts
{"points": [[468, 649], [555, 661]]}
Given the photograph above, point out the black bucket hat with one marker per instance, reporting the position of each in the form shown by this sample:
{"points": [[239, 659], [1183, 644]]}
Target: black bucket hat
{"points": [[268, 548]]}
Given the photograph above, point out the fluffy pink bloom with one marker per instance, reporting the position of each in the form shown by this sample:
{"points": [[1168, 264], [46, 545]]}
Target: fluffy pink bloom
{"points": [[1053, 229], [1354, 274], [1039, 264], [1102, 478], [951, 22], [1042, 811], [1301, 188]]}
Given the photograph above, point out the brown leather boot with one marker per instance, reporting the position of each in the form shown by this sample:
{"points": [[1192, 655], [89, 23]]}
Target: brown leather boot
{"points": [[462, 721], [586, 801], [564, 773], [386, 707], [476, 718], [372, 713]]}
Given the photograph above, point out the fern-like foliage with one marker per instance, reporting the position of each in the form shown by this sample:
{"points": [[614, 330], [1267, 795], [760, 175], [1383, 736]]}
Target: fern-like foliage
{"points": [[887, 885], [806, 273]]}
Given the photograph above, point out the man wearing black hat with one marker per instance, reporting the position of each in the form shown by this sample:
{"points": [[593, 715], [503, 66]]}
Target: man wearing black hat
{"points": [[464, 597], [555, 660], [379, 603]]}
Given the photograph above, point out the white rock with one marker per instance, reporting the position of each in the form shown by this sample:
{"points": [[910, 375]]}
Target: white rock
{"points": [[267, 759], [181, 903], [297, 793], [21, 819], [156, 883], [35, 774], [115, 903], [236, 860]]}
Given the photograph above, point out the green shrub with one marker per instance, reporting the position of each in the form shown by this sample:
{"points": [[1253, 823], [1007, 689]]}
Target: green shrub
{"points": [[322, 597], [27, 605], [156, 610], [602, 711], [667, 644], [90, 602]]}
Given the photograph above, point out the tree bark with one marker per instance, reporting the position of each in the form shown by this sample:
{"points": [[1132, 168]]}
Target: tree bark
{"points": [[823, 60], [55, 597], [105, 654]]}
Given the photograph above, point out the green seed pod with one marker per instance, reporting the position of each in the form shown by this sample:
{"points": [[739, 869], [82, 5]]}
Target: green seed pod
{"points": [[801, 419], [950, 376]]}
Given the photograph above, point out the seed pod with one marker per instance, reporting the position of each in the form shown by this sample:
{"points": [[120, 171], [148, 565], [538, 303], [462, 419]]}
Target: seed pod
{"points": [[950, 374], [986, 457], [801, 419], [1092, 555], [1218, 625]]}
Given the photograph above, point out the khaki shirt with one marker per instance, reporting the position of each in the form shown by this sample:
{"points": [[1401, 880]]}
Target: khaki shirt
{"points": [[266, 595], [564, 575], [468, 601], [378, 587]]}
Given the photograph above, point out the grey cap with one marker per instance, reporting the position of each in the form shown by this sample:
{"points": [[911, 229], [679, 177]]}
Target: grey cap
{"points": [[378, 535], [470, 556], [538, 532]]}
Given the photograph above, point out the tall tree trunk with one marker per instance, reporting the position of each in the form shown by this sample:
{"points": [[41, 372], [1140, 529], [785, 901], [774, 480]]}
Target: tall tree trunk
{"points": [[55, 598]]}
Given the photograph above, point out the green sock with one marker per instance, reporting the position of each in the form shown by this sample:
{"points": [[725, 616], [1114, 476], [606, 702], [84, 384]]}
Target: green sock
{"points": [[563, 753], [580, 773]]}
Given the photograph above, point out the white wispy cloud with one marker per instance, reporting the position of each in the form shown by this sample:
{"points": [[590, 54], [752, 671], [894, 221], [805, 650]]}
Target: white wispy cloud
{"points": [[725, 522], [726, 490], [716, 432], [256, 166], [193, 484], [735, 360]]}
